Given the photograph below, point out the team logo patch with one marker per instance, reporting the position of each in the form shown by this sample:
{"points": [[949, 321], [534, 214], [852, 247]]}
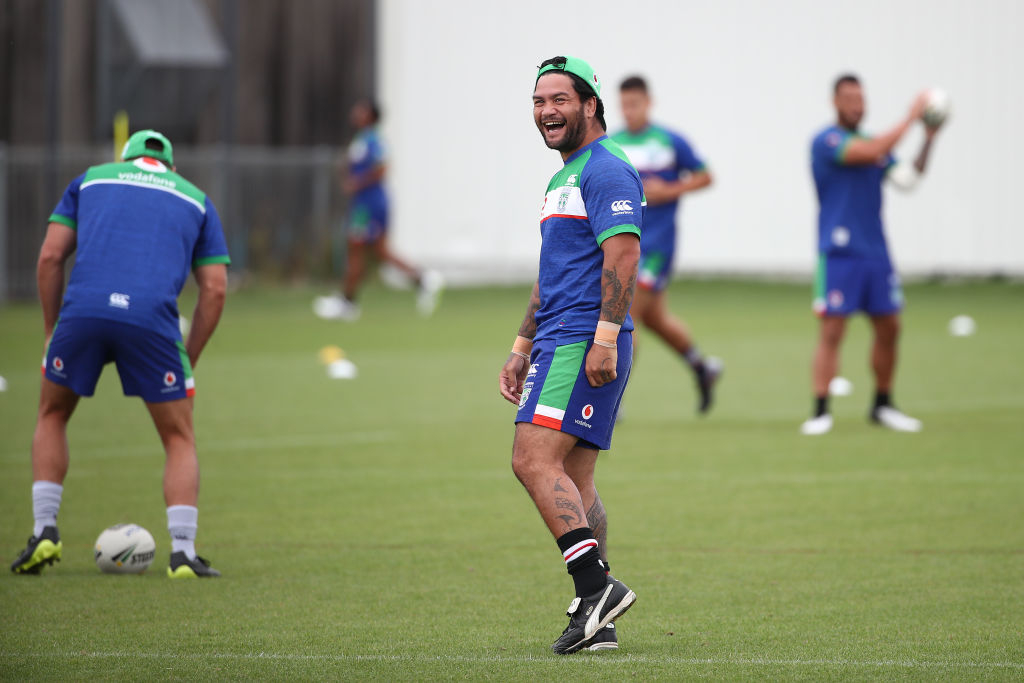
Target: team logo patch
{"points": [[588, 411], [835, 298], [170, 379], [58, 364], [622, 206], [840, 236], [832, 139], [533, 369]]}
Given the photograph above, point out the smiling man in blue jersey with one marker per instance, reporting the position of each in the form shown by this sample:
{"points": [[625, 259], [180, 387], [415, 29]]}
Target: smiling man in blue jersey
{"points": [[570, 361], [855, 272], [138, 229], [669, 168]]}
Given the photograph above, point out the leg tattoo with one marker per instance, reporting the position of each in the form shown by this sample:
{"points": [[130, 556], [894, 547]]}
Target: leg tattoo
{"points": [[598, 521]]}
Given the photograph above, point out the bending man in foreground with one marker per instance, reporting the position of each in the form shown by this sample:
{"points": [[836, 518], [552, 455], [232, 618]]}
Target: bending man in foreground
{"points": [[570, 363], [139, 228]]}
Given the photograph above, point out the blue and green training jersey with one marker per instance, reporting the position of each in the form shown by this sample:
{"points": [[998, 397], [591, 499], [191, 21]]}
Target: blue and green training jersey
{"points": [[657, 151], [595, 195], [850, 197], [141, 229]]}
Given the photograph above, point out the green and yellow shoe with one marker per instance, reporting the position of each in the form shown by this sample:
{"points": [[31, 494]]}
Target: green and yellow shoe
{"points": [[42, 549], [184, 568]]}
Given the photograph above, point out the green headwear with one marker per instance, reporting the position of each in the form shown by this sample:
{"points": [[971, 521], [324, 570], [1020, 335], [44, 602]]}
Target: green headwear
{"points": [[577, 66], [136, 147]]}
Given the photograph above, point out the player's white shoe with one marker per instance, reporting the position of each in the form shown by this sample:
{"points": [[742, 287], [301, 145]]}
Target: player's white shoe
{"points": [[814, 426], [335, 308], [893, 419], [429, 295]]}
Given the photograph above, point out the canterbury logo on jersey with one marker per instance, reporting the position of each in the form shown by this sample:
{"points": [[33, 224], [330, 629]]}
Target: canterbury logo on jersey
{"points": [[622, 206]]}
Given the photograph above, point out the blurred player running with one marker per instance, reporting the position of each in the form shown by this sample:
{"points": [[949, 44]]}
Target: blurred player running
{"points": [[138, 228], [855, 272], [570, 363], [368, 223], [669, 169]]}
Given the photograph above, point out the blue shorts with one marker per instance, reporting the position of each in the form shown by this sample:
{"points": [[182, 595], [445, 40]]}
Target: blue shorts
{"points": [[655, 269], [151, 365], [845, 285], [557, 394], [368, 221]]}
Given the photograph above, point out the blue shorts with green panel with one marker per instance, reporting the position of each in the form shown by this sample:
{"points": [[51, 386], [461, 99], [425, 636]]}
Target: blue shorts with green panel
{"points": [[558, 395]]}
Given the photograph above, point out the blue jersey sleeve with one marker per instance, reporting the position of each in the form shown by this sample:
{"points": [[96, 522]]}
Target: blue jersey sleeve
{"points": [[211, 247], [613, 196], [66, 211], [686, 158], [829, 147]]}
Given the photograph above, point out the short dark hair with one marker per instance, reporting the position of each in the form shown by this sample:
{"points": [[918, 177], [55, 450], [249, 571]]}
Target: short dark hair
{"points": [[842, 80], [581, 87], [634, 83]]}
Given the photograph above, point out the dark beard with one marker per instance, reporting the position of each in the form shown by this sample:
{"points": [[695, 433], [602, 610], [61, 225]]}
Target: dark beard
{"points": [[575, 133]]}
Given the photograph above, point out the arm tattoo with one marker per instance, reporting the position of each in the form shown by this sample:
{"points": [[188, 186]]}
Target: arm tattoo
{"points": [[529, 327], [616, 294], [598, 521]]}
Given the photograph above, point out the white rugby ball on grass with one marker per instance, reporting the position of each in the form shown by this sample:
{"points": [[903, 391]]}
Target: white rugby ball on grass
{"points": [[125, 549]]}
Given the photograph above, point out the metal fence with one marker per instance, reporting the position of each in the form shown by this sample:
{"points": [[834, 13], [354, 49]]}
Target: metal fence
{"points": [[281, 208]]}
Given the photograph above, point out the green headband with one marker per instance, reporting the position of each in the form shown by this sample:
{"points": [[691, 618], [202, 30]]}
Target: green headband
{"points": [[577, 66], [136, 147]]}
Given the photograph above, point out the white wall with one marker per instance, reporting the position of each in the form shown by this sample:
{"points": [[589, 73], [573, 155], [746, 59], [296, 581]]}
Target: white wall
{"points": [[747, 80]]}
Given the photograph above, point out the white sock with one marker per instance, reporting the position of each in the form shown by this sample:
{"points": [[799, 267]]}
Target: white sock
{"points": [[182, 522], [45, 504]]}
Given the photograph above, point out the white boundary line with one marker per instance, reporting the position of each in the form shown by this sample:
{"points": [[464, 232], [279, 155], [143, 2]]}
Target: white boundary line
{"points": [[599, 659]]}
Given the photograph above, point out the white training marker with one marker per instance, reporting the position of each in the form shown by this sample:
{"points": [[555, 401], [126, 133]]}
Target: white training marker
{"points": [[342, 368], [3, 384], [962, 326], [840, 386]]}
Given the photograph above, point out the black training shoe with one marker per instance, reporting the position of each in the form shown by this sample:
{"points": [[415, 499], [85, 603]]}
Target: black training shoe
{"points": [[707, 376], [606, 639], [42, 549], [589, 615], [184, 568]]}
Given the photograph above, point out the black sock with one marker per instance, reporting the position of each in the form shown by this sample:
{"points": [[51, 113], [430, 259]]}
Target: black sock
{"points": [[582, 560], [882, 399], [820, 405]]}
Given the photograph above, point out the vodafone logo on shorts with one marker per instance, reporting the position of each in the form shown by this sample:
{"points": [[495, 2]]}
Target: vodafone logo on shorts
{"points": [[588, 411], [835, 298], [58, 364], [170, 379]]}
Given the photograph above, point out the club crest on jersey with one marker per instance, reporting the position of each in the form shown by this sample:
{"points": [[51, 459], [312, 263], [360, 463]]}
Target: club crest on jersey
{"points": [[170, 379], [563, 199]]}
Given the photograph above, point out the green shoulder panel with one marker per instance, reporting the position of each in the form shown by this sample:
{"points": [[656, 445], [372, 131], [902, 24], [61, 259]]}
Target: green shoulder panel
{"points": [[573, 168], [128, 173], [615, 149]]}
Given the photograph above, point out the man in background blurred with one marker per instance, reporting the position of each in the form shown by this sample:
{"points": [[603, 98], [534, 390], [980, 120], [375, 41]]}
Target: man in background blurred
{"points": [[570, 362], [669, 169], [368, 217], [138, 228], [855, 272]]}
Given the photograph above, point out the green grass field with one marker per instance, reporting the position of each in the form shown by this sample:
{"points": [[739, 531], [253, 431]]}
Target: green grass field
{"points": [[373, 528]]}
